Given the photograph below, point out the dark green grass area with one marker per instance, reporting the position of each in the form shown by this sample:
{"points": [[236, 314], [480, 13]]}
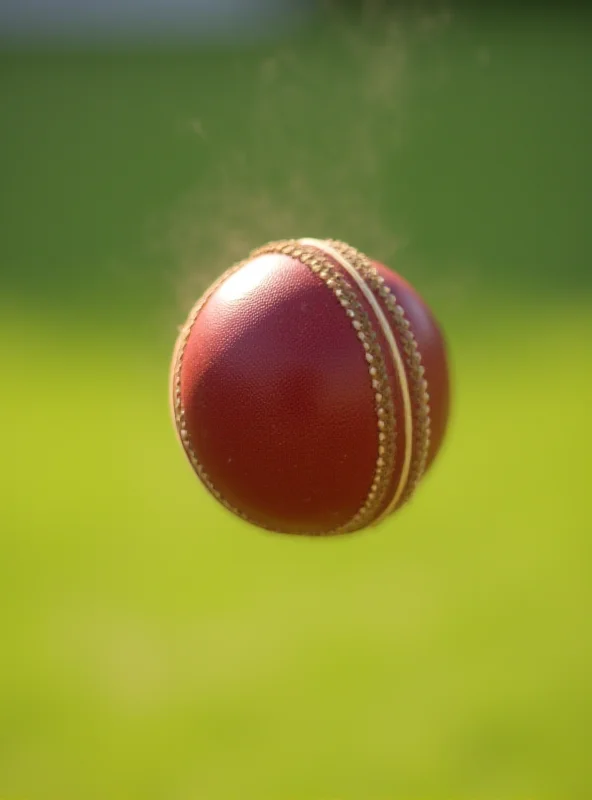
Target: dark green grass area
{"points": [[152, 646], [455, 145]]}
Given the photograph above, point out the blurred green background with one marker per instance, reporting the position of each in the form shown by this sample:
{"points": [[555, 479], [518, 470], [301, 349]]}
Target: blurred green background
{"points": [[152, 647]]}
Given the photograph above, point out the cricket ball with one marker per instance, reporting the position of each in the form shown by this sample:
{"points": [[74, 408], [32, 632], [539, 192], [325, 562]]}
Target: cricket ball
{"points": [[310, 389]]}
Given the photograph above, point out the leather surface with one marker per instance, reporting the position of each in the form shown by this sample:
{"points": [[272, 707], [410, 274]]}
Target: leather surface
{"points": [[278, 400]]}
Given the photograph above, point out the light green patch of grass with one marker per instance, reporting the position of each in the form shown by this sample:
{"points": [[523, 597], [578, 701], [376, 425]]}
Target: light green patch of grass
{"points": [[154, 647]]}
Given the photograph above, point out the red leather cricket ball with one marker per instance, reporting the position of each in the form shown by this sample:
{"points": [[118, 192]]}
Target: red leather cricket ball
{"points": [[310, 388]]}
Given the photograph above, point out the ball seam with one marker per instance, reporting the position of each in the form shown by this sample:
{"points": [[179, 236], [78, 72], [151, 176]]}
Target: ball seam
{"points": [[321, 264], [350, 264], [413, 360]]}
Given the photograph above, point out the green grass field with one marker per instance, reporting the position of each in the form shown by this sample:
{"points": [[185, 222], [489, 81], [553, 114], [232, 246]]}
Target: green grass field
{"points": [[154, 648]]}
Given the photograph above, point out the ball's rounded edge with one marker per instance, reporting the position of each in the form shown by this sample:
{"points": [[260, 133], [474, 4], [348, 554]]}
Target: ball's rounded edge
{"points": [[175, 398]]}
